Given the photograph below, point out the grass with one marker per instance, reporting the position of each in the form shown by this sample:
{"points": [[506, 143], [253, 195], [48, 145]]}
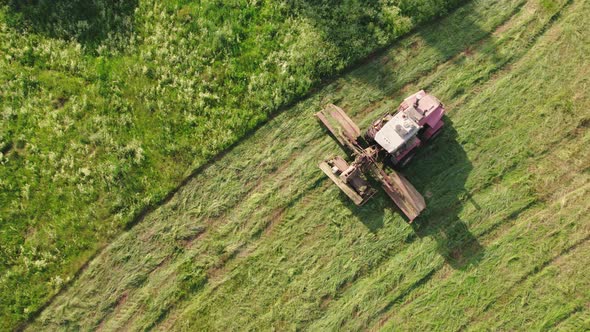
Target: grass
{"points": [[260, 239], [107, 106]]}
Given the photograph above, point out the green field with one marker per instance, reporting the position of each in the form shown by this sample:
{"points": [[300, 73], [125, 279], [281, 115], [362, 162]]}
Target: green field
{"points": [[260, 239], [107, 106]]}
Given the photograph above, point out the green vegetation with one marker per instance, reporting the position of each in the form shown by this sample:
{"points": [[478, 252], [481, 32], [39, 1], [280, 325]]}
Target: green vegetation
{"points": [[261, 239], [106, 106]]}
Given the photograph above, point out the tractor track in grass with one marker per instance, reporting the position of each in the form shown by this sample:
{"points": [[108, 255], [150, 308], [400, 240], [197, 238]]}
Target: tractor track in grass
{"points": [[567, 316], [488, 235], [505, 223], [403, 293], [581, 316], [220, 219], [201, 234], [435, 274], [506, 293], [217, 272], [506, 66], [495, 74], [531, 273]]}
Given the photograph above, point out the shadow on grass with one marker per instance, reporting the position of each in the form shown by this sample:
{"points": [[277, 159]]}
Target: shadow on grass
{"points": [[436, 42], [438, 171], [89, 22]]}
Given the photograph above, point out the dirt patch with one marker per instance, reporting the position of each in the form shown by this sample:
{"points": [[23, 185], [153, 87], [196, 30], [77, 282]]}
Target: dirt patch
{"points": [[121, 302], [116, 311], [190, 241], [168, 323], [215, 272], [162, 263], [503, 28], [276, 216], [325, 301]]}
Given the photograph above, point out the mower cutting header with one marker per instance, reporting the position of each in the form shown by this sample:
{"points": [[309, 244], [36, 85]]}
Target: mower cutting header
{"points": [[393, 137]]}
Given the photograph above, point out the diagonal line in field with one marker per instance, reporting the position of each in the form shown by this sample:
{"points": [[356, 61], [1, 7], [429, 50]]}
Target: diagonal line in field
{"points": [[534, 271]]}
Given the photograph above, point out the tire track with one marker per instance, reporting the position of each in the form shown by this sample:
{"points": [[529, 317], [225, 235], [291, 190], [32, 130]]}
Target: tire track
{"points": [[403, 295], [432, 275], [216, 273], [532, 272], [577, 321], [565, 317]]}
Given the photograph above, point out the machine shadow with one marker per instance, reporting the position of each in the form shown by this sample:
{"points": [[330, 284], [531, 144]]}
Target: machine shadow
{"points": [[439, 171], [88, 22]]}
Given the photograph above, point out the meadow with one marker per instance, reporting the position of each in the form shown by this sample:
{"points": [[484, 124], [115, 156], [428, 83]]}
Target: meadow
{"points": [[261, 239], [108, 106]]}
